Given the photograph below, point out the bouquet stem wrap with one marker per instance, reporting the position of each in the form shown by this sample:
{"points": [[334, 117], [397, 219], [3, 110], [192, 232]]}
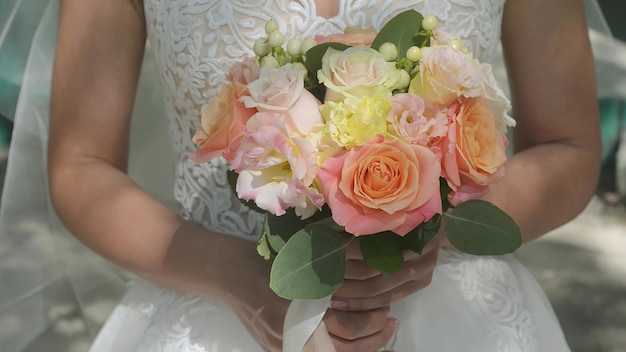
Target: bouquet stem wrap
{"points": [[304, 330]]}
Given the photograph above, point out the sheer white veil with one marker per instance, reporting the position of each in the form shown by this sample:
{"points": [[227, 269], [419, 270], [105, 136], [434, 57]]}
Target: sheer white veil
{"points": [[53, 290]]}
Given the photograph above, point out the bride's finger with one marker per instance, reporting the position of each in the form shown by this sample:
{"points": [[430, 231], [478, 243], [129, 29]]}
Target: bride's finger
{"points": [[371, 343], [412, 270], [354, 325], [382, 300], [359, 270]]}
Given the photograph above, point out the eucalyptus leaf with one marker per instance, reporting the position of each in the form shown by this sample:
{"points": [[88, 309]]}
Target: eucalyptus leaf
{"points": [[417, 239], [279, 229], [445, 190], [311, 265], [481, 228], [263, 247], [400, 31], [382, 252]]}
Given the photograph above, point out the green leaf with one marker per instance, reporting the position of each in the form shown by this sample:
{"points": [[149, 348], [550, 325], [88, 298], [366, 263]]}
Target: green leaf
{"points": [[382, 252], [400, 31], [480, 228], [311, 265], [263, 247], [445, 191], [279, 229], [418, 238], [232, 181]]}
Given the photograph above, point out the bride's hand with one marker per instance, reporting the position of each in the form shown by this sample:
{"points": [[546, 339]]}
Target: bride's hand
{"points": [[359, 316], [259, 309]]}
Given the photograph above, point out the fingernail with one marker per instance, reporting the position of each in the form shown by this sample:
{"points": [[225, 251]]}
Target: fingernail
{"points": [[338, 304], [396, 327]]}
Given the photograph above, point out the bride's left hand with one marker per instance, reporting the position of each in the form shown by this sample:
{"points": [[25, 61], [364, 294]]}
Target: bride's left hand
{"points": [[361, 306], [366, 289]]}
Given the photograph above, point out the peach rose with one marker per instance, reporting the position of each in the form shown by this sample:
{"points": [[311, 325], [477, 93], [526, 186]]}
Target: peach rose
{"points": [[382, 186], [474, 152], [223, 124], [446, 74]]}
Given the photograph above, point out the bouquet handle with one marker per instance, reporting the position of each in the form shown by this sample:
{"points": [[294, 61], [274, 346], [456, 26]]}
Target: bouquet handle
{"points": [[304, 330]]}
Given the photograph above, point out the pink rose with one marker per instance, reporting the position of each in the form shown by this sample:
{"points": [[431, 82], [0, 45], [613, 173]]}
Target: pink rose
{"points": [[474, 152], [244, 71], [223, 124], [382, 186], [446, 74], [416, 120], [277, 170]]}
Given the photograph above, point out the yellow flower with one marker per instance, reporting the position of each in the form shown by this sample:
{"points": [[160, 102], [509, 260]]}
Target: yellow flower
{"points": [[357, 120]]}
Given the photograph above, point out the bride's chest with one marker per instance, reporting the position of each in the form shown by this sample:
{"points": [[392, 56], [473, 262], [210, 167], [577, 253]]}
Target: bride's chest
{"points": [[229, 27]]}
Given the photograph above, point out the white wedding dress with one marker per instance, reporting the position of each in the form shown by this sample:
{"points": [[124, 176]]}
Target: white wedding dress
{"points": [[473, 304]]}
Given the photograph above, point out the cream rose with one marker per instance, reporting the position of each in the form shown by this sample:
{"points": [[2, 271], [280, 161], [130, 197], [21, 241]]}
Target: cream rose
{"points": [[354, 71]]}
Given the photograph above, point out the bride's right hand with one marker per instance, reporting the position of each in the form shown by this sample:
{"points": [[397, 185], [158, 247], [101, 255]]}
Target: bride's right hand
{"points": [[259, 309]]}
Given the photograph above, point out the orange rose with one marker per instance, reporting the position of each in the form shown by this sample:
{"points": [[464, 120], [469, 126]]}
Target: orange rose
{"points": [[474, 150], [223, 124], [382, 186]]}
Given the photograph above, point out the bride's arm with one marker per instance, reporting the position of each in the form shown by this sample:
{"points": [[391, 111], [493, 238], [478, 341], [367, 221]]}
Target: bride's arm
{"points": [[555, 169], [97, 64]]}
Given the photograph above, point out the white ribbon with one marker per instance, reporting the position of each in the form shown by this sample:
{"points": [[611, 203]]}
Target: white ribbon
{"points": [[302, 320]]}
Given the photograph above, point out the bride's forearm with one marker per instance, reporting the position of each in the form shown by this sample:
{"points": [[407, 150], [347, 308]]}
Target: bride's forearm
{"points": [[113, 216], [546, 185]]}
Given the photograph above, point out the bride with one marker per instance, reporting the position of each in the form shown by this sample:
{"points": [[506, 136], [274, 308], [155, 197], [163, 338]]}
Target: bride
{"points": [[204, 288]]}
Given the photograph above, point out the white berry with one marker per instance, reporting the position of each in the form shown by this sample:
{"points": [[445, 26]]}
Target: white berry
{"points": [[307, 44], [293, 46], [414, 53], [262, 47], [270, 61], [275, 39], [430, 23], [456, 44], [405, 79], [271, 26], [389, 51]]}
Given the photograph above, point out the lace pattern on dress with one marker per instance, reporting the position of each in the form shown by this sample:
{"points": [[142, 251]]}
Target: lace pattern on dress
{"points": [[490, 284]]}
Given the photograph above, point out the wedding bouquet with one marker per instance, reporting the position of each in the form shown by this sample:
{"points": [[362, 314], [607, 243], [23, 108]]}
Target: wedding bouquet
{"points": [[380, 136]]}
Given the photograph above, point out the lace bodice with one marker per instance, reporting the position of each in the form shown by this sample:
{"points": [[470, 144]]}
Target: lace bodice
{"points": [[196, 41]]}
